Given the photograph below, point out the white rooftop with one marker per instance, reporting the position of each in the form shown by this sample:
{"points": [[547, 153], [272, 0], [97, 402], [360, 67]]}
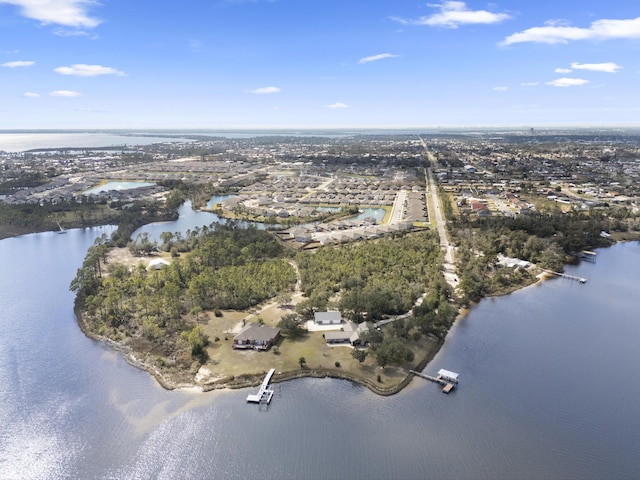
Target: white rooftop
{"points": [[448, 374]]}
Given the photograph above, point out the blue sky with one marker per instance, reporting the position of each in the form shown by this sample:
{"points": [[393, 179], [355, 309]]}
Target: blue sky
{"points": [[318, 63]]}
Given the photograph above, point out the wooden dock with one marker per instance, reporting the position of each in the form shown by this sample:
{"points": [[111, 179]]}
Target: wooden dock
{"points": [[447, 385], [588, 256], [566, 275], [265, 394]]}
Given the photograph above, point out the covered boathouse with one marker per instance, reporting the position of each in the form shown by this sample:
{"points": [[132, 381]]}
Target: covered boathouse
{"points": [[448, 375]]}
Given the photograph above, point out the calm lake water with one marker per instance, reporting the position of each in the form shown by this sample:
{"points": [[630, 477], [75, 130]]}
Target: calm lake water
{"points": [[19, 142], [189, 219], [549, 389]]}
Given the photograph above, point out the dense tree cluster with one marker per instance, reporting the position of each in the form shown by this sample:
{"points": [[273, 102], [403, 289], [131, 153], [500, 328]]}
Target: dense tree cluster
{"points": [[571, 231], [544, 239], [227, 268], [372, 278], [291, 326], [48, 215]]}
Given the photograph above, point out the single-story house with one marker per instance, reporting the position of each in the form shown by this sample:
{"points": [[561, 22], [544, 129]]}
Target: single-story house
{"points": [[301, 234], [350, 334], [256, 336], [328, 318]]}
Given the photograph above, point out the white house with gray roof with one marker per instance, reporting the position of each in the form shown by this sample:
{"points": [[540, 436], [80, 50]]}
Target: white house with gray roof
{"points": [[328, 318]]}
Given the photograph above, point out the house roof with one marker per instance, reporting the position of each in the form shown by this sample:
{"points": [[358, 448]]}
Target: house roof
{"points": [[257, 332], [337, 336], [328, 317], [157, 263], [448, 374]]}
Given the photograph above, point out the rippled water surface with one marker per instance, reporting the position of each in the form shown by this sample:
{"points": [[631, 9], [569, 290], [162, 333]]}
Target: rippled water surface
{"points": [[549, 389], [18, 142]]}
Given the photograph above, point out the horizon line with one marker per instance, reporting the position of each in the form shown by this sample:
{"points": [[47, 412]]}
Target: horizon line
{"points": [[334, 128]]}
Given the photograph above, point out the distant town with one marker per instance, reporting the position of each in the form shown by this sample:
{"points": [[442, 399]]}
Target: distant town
{"points": [[487, 174]]}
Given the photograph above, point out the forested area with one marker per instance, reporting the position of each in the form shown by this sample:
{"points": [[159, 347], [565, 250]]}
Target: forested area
{"points": [[571, 231], [46, 216], [23, 180], [367, 280], [370, 280], [545, 240], [89, 212], [227, 268]]}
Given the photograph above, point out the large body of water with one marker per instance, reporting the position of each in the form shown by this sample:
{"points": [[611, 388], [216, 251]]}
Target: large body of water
{"points": [[19, 142], [12, 141], [549, 389]]}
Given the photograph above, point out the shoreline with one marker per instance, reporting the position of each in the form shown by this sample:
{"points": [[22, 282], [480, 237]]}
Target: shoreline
{"points": [[253, 380], [233, 383]]}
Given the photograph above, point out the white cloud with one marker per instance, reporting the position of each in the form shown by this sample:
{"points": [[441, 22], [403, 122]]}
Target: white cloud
{"points": [[374, 58], [83, 70], [337, 105], [501, 89], [64, 93], [18, 63], [453, 14], [64, 32], [530, 84], [265, 90], [31, 95], [563, 70], [567, 82], [553, 32], [608, 67], [71, 13]]}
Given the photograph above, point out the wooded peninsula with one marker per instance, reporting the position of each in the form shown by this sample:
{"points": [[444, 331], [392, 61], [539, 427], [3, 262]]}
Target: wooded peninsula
{"points": [[216, 306]]}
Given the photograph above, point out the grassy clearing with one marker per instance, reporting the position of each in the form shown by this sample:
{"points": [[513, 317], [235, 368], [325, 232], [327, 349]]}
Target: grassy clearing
{"points": [[225, 362]]}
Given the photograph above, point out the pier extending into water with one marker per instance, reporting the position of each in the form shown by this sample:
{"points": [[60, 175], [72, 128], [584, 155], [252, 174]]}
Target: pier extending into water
{"points": [[265, 394], [566, 275], [588, 256], [447, 379]]}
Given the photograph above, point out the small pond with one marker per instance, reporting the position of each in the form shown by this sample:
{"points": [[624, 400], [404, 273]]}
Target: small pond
{"points": [[377, 213]]}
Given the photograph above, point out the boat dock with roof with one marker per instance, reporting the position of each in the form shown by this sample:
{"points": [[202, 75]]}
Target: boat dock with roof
{"points": [[446, 378]]}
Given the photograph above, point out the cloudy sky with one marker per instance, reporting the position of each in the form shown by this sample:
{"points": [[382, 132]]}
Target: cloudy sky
{"points": [[318, 63]]}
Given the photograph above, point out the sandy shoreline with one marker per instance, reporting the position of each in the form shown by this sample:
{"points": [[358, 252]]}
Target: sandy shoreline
{"points": [[252, 380]]}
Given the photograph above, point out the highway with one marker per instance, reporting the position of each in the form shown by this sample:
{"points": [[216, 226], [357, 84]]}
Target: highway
{"points": [[438, 220]]}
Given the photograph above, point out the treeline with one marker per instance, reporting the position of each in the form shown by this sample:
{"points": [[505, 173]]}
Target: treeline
{"points": [[481, 276], [544, 239], [89, 212], [198, 193], [370, 279], [227, 269], [48, 215], [572, 231], [23, 180]]}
